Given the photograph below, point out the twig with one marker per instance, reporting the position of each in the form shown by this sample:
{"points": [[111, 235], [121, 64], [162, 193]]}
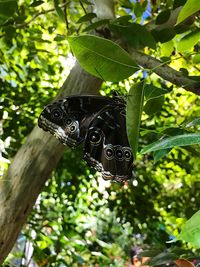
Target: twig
{"points": [[37, 15], [83, 7], [65, 14]]}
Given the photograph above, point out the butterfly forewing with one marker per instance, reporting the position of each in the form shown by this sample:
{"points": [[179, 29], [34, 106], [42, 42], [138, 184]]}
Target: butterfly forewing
{"points": [[68, 119]]}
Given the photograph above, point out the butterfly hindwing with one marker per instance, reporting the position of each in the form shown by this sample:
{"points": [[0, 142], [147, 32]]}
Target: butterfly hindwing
{"points": [[100, 123], [106, 145]]}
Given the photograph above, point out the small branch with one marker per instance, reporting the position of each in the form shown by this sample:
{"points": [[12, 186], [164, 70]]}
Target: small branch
{"points": [[37, 15], [166, 72], [83, 7], [65, 14]]}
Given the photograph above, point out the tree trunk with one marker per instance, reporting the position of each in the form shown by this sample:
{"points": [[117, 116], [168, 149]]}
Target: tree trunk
{"points": [[32, 166]]}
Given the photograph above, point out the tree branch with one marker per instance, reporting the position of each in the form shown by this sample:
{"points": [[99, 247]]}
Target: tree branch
{"points": [[32, 166], [166, 72]]}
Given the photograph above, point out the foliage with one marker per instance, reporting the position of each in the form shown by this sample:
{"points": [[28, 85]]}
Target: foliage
{"points": [[190, 231], [134, 113], [102, 57], [80, 220]]}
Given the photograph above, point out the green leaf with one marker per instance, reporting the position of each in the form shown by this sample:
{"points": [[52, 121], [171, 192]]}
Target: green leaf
{"points": [[133, 114], [126, 4], [196, 59], [87, 17], [167, 48], [195, 122], [140, 8], [163, 17], [7, 9], [188, 41], [152, 92], [154, 105], [102, 58], [87, 2], [179, 140], [97, 24], [36, 3], [135, 34], [149, 253], [157, 155], [59, 38], [155, 99], [164, 35], [191, 7], [191, 230], [59, 10], [123, 19], [162, 258]]}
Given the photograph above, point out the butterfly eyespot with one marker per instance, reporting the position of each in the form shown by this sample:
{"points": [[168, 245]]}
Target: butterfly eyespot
{"points": [[119, 154], [56, 114], [127, 154], [72, 128], [109, 153], [95, 137], [69, 121]]}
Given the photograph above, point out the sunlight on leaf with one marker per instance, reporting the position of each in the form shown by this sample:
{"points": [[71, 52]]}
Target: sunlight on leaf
{"points": [[159, 154], [179, 140], [188, 41], [102, 58], [191, 7], [191, 230], [133, 114]]}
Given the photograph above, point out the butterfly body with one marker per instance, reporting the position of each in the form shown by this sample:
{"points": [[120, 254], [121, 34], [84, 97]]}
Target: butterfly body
{"points": [[97, 121]]}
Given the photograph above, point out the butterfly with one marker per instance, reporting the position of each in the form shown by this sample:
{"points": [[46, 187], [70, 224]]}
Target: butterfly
{"points": [[98, 122]]}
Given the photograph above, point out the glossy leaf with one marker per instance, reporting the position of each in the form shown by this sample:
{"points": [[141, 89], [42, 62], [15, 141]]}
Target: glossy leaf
{"points": [[195, 122], [96, 25], [7, 9], [151, 92], [191, 230], [163, 17], [102, 58], [191, 7], [162, 258], [87, 17], [59, 10], [135, 34], [36, 3], [133, 114], [159, 154], [164, 35], [154, 105], [179, 140], [149, 253], [154, 99], [188, 41], [196, 59], [167, 48]]}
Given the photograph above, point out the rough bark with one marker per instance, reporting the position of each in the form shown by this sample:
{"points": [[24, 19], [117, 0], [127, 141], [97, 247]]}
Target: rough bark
{"points": [[166, 72], [32, 166]]}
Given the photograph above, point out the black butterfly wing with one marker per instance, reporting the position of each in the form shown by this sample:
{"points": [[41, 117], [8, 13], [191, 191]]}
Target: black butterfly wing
{"points": [[68, 119], [106, 146]]}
